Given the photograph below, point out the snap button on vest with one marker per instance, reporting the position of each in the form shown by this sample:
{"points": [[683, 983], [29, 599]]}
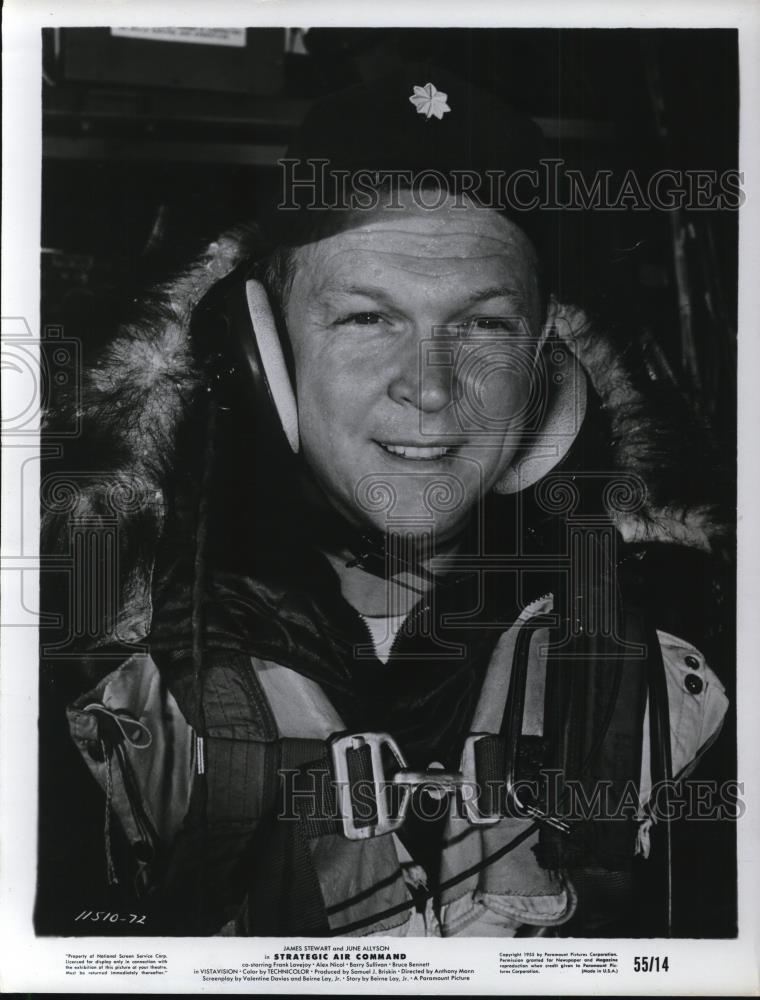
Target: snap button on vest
{"points": [[693, 684]]}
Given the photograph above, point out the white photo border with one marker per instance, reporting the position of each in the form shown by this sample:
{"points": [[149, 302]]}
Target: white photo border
{"points": [[29, 963]]}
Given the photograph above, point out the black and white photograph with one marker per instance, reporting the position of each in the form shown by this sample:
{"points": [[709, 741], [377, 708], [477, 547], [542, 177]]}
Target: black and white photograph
{"points": [[386, 503]]}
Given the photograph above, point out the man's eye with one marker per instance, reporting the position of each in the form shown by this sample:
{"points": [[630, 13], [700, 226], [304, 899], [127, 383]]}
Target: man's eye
{"points": [[361, 319], [496, 324]]}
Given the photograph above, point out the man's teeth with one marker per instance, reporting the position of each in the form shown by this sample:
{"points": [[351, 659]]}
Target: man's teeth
{"points": [[412, 451]]}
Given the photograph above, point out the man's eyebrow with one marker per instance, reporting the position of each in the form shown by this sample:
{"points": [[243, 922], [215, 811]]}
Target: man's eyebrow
{"points": [[369, 291], [498, 292], [379, 292]]}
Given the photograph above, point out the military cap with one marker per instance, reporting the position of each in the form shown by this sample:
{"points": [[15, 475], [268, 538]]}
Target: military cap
{"points": [[420, 122]]}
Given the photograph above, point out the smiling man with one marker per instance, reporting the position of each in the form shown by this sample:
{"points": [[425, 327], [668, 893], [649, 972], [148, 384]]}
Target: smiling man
{"points": [[365, 308], [405, 676]]}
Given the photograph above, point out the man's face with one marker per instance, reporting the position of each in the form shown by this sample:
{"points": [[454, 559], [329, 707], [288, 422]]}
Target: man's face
{"points": [[414, 336]]}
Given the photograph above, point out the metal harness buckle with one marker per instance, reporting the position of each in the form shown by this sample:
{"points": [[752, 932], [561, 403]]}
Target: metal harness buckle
{"points": [[385, 823], [405, 779]]}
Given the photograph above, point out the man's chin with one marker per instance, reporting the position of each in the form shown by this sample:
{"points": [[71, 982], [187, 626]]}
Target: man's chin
{"points": [[392, 519], [421, 537]]}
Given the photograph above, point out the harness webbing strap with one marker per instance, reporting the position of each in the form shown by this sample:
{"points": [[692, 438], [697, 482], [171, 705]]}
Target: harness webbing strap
{"points": [[489, 771], [310, 793], [489, 711], [596, 696], [234, 768], [295, 753], [310, 798]]}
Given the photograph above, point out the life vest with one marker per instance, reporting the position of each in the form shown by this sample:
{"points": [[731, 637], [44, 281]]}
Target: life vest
{"points": [[219, 824]]}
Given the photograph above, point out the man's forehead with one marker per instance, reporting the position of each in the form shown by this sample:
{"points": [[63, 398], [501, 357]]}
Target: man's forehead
{"points": [[430, 244]]}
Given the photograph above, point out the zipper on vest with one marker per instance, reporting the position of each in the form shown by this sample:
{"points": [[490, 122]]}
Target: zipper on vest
{"points": [[415, 613], [422, 607], [368, 635], [532, 609]]}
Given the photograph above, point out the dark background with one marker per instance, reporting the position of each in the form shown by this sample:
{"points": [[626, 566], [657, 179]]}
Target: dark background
{"points": [[151, 148]]}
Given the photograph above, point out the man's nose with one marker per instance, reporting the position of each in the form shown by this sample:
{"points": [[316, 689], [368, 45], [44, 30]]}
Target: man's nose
{"points": [[421, 379]]}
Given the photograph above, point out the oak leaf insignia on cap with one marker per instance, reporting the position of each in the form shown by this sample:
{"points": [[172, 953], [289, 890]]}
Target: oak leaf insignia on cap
{"points": [[428, 100]]}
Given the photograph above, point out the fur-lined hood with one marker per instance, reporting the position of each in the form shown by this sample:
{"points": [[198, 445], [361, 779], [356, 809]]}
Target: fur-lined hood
{"points": [[135, 398]]}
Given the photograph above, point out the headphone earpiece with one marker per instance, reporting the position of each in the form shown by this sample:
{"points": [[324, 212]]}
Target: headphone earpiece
{"points": [[245, 361], [266, 354]]}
